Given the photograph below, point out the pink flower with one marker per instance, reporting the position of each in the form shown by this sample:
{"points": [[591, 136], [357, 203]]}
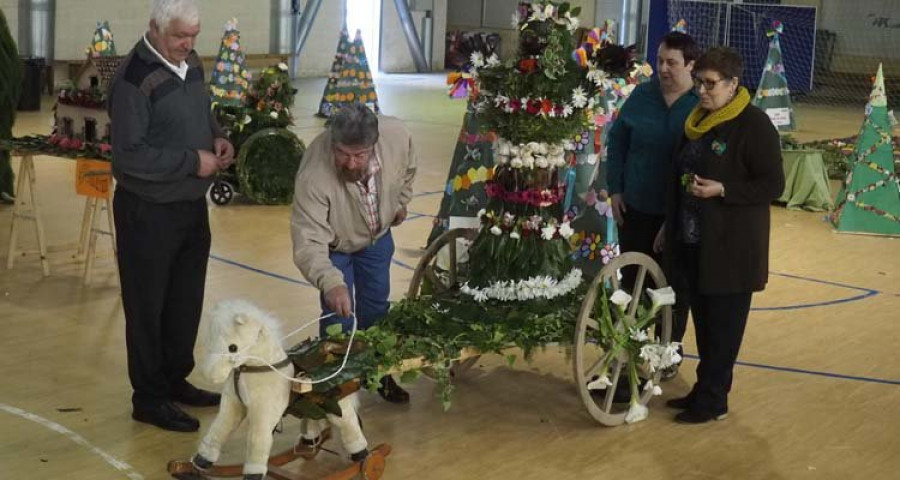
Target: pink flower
{"points": [[105, 148]]}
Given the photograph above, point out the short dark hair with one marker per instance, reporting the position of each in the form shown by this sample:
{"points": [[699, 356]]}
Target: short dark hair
{"points": [[354, 124], [684, 42], [724, 60]]}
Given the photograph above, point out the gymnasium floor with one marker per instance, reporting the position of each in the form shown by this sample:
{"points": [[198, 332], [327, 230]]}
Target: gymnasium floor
{"points": [[816, 394]]}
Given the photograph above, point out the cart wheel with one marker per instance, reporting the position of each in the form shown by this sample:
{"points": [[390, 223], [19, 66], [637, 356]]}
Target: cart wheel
{"points": [[432, 278], [221, 192], [590, 355]]}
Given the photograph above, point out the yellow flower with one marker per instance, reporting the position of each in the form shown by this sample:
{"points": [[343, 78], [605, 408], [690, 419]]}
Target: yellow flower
{"points": [[457, 183]]}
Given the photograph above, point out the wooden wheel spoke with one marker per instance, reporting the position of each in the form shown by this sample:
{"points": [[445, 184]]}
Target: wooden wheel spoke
{"points": [[454, 268], [595, 368], [611, 390], [636, 292]]}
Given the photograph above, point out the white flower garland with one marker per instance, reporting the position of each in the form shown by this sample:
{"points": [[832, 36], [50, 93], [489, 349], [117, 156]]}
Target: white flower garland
{"points": [[541, 286]]}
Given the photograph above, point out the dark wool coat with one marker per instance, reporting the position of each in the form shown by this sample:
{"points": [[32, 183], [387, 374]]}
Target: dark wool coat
{"points": [[734, 230]]}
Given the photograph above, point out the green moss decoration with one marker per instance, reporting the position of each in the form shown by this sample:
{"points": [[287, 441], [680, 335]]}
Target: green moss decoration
{"points": [[267, 164]]}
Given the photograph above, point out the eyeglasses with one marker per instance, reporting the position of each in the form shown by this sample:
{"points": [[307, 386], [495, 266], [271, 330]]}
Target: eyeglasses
{"points": [[708, 85], [356, 155]]}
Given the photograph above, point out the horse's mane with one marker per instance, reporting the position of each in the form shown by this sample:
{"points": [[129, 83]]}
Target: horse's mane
{"points": [[227, 310]]}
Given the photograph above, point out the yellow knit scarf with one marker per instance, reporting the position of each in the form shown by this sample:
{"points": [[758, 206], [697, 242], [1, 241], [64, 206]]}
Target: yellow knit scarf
{"points": [[697, 124]]}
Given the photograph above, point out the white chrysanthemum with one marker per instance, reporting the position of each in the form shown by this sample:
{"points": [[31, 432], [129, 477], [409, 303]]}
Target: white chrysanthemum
{"points": [[493, 60], [516, 163], [477, 59], [640, 336], [501, 101], [283, 67], [528, 160], [579, 97], [567, 110], [573, 22], [565, 230], [541, 162], [274, 115], [496, 230], [656, 389], [548, 232]]}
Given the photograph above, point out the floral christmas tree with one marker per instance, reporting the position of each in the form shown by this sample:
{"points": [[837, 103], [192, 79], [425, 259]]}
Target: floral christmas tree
{"points": [[230, 78], [869, 200], [102, 44], [350, 80], [773, 95]]}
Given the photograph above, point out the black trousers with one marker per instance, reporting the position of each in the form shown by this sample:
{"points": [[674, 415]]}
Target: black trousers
{"points": [[163, 250], [637, 235], [719, 323]]}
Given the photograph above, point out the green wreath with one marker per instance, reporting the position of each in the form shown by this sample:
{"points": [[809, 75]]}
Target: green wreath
{"points": [[267, 164]]}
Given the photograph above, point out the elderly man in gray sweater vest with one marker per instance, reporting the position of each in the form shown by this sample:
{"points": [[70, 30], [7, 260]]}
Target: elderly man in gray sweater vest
{"points": [[166, 146]]}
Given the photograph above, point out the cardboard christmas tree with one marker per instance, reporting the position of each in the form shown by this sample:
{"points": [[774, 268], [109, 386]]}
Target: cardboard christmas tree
{"points": [[102, 44], [869, 200], [230, 78], [350, 80], [773, 95], [471, 166]]}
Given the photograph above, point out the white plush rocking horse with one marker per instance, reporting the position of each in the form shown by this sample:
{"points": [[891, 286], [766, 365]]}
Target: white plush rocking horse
{"points": [[245, 354]]}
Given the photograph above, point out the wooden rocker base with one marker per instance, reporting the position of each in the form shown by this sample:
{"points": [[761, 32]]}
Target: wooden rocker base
{"points": [[372, 468]]}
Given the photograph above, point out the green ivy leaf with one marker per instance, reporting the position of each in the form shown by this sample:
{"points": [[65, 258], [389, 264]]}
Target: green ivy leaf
{"points": [[334, 330]]}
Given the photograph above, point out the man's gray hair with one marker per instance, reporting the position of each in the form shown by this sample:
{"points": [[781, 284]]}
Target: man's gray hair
{"points": [[164, 11], [354, 125]]}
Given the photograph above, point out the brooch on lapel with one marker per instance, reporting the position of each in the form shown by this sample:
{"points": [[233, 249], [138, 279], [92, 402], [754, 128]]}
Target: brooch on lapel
{"points": [[718, 147]]}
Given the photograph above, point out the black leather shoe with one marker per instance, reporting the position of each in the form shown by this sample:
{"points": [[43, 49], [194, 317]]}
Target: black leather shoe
{"points": [[681, 403], [692, 416], [166, 416], [392, 392], [195, 397]]}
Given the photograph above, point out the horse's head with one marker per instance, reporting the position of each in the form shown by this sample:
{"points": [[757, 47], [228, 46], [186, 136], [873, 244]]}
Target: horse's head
{"points": [[239, 330]]}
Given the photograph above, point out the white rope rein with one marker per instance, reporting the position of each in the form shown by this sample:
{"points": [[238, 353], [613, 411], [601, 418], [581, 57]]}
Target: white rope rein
{"points": [[265, 363]]}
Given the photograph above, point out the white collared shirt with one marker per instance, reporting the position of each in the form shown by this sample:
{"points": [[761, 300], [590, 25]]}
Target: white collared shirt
{"points": [[180, 70]]}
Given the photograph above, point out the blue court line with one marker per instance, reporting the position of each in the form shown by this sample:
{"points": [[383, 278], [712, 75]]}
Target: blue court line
{"points": [[868, 292], [425, 194], [260, 271], [810, 372]]}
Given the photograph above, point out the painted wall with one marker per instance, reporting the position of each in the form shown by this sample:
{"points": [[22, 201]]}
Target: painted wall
{"points": [[11, 11], [76, 21]]}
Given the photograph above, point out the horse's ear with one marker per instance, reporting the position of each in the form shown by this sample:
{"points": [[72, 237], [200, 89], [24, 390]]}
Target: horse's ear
{"points": [[241, 319]]}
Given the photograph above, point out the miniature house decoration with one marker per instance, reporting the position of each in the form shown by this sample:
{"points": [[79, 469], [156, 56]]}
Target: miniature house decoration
{"points": [[81, 106]]}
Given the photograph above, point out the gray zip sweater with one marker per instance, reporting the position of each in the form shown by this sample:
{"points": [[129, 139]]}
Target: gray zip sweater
{"points": [[158, 123]]}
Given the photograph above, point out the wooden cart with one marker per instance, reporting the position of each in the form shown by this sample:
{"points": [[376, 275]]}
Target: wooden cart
{"points": [[442, 270]]}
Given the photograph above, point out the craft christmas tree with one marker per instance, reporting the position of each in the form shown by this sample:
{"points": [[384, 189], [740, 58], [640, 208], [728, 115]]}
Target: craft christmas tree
{"points": [[350, 80], [773, 95], [471, 166], [230, 78], [869, 200], [102, 45]]}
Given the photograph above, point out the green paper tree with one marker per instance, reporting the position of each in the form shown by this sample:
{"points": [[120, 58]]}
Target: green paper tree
{"points": [[471, 166], [10, 88], [869, 200], [230, 78], [102, 44], [350, 80], [773, 95]]}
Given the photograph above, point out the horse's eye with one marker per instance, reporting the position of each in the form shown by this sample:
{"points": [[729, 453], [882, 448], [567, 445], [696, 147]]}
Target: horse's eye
{"points": [[232, 348]]}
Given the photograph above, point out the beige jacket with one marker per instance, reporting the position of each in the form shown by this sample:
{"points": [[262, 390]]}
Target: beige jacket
{"points": [[328, 213]]}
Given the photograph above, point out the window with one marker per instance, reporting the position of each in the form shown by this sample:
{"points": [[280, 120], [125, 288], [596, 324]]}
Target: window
{"points": [[90, 130], [67, 127]]}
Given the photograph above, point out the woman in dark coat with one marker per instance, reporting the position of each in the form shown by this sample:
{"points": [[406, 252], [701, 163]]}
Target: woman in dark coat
{"points": [[716, 236]]}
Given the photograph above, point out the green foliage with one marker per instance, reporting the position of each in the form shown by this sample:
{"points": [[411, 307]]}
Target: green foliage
{"points": [[501, 257], [438, 328], [267, 164]]}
